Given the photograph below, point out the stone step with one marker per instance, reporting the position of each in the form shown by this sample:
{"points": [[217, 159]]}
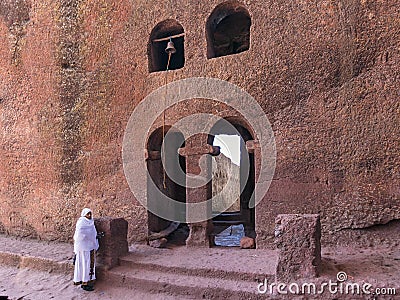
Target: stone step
{"points": [[35, 262], [207, 272], [178, 284]]}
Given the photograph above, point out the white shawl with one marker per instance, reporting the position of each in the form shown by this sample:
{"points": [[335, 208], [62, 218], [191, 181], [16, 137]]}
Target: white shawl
{"points": [[85, 234]]}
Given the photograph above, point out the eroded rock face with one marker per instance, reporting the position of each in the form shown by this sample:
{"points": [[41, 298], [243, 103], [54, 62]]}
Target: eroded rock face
{"points": [[325, 73], [16, 16], [223, 168], [15, 11]]}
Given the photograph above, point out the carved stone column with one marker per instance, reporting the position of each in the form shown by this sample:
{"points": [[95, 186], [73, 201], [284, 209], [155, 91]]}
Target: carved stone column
{"points": [[198, 181]]}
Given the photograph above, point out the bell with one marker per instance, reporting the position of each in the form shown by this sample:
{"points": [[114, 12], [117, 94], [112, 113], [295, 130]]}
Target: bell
{"points": [[170, 47]]}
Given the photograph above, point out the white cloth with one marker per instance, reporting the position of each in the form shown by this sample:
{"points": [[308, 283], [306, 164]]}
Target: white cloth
{"points": [[82, 268], [85, 233], [84, 241]]}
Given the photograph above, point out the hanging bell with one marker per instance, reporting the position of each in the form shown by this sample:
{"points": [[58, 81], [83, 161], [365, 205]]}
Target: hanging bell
{"points": [[170, 47]]}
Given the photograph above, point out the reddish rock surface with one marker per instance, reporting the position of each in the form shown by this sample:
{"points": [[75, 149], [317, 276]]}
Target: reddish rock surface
{"points": [[298, 239], [326, 74], [112, 240]]}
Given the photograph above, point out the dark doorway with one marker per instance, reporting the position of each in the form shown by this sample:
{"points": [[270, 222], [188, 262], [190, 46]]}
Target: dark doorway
{"points": [[163, 183], [238, 220]]}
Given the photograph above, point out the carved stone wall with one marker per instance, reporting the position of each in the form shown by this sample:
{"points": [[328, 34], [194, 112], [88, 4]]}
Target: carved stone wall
{"points": [[326, 74]]}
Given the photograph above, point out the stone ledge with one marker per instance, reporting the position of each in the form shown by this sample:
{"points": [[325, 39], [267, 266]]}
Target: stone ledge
{"points": [[34, 262], [44, 264]]}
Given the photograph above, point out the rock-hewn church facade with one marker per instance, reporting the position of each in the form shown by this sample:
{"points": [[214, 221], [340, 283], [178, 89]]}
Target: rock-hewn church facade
{"points": [[325, 73]]}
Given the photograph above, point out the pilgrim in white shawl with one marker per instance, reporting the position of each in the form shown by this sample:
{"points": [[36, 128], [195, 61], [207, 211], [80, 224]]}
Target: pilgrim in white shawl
{"points": [[85, 246]]}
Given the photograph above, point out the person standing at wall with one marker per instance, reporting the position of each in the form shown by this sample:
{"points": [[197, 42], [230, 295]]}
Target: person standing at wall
{"points": [[85, 247]]}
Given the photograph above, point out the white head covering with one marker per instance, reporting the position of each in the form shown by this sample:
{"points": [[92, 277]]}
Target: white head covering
{"points": [[85, 233], [85, 211]]}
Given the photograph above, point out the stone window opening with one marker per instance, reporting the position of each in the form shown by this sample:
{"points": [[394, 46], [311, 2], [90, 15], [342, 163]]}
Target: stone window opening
{"points": [[228, 29], [162, 33]]}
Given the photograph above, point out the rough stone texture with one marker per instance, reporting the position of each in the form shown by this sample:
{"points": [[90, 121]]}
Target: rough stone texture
{"points": [[114, 243], [222, 167], [326, 74], [247, 243], [198, 163], [298, 239], [200, 235]]}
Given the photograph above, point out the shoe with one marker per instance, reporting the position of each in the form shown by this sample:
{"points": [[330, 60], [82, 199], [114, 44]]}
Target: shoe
{"points": [[88, 288]]}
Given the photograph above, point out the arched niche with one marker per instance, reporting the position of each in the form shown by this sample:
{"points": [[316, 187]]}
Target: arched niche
{"points": [[228, 29], [157, 57]]}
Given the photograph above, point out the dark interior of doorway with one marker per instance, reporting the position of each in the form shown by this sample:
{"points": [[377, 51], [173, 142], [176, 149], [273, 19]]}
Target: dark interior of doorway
{"points": [[164, 184]]}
